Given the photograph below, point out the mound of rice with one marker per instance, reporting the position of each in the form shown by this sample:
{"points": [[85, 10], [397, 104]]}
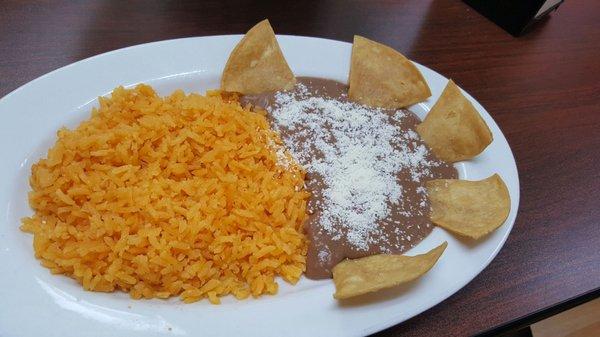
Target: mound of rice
{"points": [[182, 195]]}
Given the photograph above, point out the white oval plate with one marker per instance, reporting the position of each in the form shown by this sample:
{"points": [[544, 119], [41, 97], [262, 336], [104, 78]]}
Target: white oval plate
{"points": [[35, 303]]}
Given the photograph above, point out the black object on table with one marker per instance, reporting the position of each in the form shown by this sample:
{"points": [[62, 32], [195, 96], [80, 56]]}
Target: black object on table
{"points": [[515, 16]]}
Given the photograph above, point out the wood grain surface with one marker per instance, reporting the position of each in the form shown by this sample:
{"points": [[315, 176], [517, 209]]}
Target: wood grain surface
{"points": [[543, 89]]}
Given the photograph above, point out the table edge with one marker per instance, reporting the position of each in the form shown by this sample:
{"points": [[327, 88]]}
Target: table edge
{"points": [[538, 315]]}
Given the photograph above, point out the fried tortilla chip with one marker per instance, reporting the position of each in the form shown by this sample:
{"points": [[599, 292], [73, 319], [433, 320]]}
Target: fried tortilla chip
{"points": [[382, 77], [453, 129], [256, 64], [373, 273], [469, 208]]}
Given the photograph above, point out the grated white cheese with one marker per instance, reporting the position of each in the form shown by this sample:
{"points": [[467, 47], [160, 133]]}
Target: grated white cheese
{"points": [[360, 152], [282, 157]]}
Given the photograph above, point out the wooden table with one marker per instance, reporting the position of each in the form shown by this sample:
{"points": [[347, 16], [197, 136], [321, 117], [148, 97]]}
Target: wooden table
{"points": [[543, 89]]}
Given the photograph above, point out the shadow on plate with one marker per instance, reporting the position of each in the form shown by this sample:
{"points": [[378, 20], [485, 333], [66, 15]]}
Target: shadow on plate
{"points": [[468, 242], [379, 296]]}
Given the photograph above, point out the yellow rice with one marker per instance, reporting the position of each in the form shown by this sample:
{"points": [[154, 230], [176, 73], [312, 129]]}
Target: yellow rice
{"points": [[158, 197]]}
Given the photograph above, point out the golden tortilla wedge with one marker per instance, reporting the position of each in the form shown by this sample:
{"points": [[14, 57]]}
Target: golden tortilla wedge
{"points": [[256, 64], [373, 273], [453, 129], [469, 208], [382, 77]]}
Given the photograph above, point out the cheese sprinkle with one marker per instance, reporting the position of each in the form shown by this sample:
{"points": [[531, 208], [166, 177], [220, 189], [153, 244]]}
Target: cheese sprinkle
{"points": [[358, 152]]}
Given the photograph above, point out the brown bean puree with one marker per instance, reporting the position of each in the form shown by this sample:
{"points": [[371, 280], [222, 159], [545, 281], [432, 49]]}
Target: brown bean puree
{"points": [[366, 169]]}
